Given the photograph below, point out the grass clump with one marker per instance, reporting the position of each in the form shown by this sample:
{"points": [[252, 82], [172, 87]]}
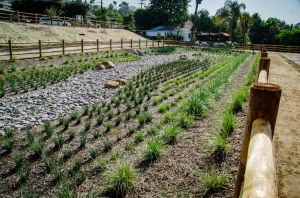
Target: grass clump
{"points": [[163, 108], [107, 144], [37, 147], [217, 144], [198, 103], [18, 159], [100, 165], [153, 151], [228, 121], [122, 178], [170, 134], [139, 138], [213, 179], [58, 141], [48, 128]]}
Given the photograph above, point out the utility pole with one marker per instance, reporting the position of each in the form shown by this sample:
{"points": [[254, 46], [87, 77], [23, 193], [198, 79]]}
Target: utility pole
{"points": [[142, 3], [194, 24]]}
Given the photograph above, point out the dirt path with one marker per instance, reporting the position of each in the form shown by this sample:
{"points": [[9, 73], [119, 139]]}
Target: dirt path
{"points": [[287, 133]]}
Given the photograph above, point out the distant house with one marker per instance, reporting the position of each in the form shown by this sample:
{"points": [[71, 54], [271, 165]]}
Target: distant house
{"points": [[167, 31], [222, 37]]}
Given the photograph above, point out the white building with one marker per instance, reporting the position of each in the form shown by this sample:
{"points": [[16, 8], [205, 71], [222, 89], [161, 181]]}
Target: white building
{"points": [[167, 31]]}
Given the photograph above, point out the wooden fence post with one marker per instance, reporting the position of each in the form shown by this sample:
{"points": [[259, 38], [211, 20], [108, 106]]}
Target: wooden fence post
{"points": [[18, 16], [146, 43], [264, 63], [63, 46], [157, 43], [131, 43], [81, 45], [97, 45], [10, 49], [139, 43], [163, 42], [110, 44], [263, 103], [64, 20], [153, 43], [289, 48], [35, 18], [121, 43], [274, 48], [40, 48]]}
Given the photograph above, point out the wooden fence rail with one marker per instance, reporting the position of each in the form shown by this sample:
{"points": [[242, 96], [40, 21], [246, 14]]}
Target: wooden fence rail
{"points": [[256, 174], [16, 16], [43, 48]]}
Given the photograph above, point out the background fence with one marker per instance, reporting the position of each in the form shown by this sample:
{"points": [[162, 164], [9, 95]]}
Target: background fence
{"points": [[16, 16], [45, 48]]}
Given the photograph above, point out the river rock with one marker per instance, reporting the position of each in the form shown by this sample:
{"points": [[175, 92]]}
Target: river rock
{"points": [[108, 65], [112, 84]]}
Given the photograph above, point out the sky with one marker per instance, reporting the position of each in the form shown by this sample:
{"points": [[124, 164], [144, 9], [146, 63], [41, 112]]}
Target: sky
{"points": [[285, 10]]}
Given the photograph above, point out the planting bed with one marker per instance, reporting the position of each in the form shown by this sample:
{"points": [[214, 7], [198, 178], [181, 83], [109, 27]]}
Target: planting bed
{"points": [[149, 131]]}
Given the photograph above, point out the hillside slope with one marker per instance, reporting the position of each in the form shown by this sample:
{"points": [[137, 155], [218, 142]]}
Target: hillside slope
{"points": [[22, 32]]}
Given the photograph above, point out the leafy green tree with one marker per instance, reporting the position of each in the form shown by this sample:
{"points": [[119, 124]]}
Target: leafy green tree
{"points": [[231, 12], [73, 8], [144, 19], [288, 37], [169, 12], [32, 6], [203, 22], [51, 12], [129, 22]]}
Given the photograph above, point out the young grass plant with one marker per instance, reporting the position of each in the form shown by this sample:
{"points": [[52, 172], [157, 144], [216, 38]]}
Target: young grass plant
{"points": [[100, 165], [48, 128], [122, 178], [153, 151], [213, 179], [107, 144], [170, 134]]}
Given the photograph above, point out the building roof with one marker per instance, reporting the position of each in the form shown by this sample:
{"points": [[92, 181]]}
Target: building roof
{"points": [[164, 28]]}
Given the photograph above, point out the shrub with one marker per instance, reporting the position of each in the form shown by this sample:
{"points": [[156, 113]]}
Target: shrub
{"points": [[122, 178]]}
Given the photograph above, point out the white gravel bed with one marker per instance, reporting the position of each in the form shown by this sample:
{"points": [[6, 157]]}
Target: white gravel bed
{"points": [[32, 108]]}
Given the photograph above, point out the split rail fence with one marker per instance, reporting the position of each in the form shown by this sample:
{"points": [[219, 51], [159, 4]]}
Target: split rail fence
{"points": [[257, 173], [45, 48], [16, 16]]}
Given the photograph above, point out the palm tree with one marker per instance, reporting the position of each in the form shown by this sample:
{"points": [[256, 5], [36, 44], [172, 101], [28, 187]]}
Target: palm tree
{"points": [[232, 12], [195, 16], [245, 21]]}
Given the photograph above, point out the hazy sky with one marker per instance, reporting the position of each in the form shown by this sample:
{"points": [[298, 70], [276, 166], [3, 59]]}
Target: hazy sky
{"points": [[287, 10]]}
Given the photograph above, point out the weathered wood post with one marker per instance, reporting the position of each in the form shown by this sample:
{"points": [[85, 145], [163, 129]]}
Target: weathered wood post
{"points": [[264, 103], [139, 43], [81, 45], [97, 45], [274, 48], [40, 48], [289, 48], [157, 43], [146, 43], [163, 42], [121, 43], [110, 44], [10, 49], [35, 18], [18, 16], [153, 43], [63, 46], [64, 20], [131, 43]]}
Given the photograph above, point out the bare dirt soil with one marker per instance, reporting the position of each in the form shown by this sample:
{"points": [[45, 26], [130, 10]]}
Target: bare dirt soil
{"points": [[22, 32], [286, 138]]}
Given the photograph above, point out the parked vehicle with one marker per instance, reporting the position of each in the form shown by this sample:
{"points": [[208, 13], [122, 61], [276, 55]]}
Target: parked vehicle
{"points": [[204, 44], [47, 21], [197, 43]]}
